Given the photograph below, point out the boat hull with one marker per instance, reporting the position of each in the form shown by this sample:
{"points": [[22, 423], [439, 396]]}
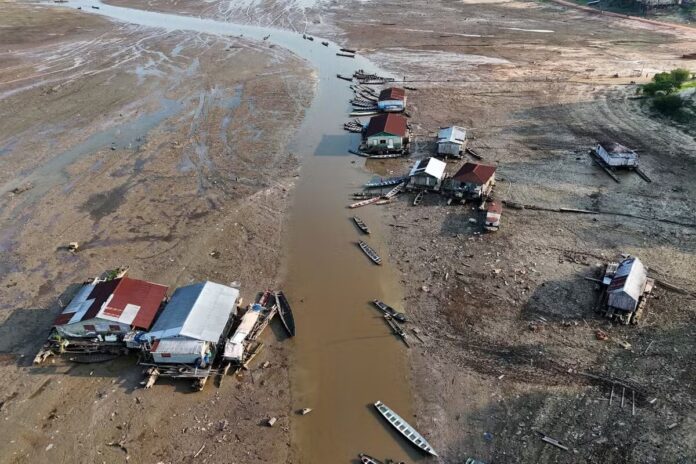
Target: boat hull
{"points": [[404, 428]]}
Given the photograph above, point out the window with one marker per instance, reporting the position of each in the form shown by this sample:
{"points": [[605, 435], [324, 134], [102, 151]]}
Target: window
{"points": [[90, 328], [114, 328], [383, 141], [166, 355]]}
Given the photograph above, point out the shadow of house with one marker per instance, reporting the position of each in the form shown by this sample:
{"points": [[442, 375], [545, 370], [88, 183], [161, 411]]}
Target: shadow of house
{"points": [[571, 299], [25, 330], [458, 221]]}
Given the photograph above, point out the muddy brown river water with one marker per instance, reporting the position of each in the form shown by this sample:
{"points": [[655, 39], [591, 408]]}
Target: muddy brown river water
{"points": [[344, 357]]}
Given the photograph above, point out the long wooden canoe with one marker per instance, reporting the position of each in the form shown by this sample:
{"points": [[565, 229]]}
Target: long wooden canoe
{"points": [[386, 309], [285, 313], [365, 459], [404, 428], [361, 225], [372, 254]]}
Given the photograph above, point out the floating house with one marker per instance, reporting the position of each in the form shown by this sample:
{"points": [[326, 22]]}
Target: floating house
{"points": [[111, 309], [191, 325], [386, 133], [392, 100], [626, 285], [427, 173], [472, 181], [616, 155], [451, 141]]}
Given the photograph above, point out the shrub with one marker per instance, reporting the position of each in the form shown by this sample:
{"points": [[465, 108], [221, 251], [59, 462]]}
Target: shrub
{"points": [[668, 104], [680, 75]]}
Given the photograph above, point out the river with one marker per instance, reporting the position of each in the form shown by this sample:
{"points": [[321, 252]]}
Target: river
{"points": [[344, 357]]}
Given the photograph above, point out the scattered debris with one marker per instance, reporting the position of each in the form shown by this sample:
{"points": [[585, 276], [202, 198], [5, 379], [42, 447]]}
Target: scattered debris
{"points": [[552, 441], [305, 411], [271, 421]]}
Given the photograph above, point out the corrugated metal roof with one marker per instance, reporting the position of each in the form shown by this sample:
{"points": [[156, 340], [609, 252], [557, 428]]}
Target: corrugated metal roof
{"points": [[614, 148], [431, 166], [392, 93], [179, 346], [474, 173], [86, 303], [129, 301], [627, 285], [198, 311], [452, 134], [134, 302], [391, 123]]}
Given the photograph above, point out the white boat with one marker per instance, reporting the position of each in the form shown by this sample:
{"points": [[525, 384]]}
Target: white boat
{"points": [[404, 428]]}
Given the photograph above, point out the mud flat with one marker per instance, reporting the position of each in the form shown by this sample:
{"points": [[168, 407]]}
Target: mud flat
{"points": [[152, 149], [507, 317]]}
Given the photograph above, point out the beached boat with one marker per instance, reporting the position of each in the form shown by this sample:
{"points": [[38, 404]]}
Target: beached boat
{"points": [[285, 313], [404, 428], [398, 331], [345, 78], [385, 182], [365, 459], [386, 309], [361, 225], [372, 254], [369, 201]]}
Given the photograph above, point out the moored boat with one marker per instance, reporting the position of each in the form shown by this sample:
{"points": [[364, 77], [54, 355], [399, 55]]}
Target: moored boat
{"points": [[386, 309], [372, 254], [361, 225], [369, 201], [404, 428], [365, 459], [285, 313]]}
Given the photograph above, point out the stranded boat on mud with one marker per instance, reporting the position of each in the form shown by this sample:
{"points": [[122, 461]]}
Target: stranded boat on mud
{"points": [[404, 428], [285, 313], [388, 310], [361, 225], [372, 254]]}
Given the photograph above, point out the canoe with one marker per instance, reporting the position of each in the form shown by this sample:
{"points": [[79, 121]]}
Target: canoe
{"points": [[365, 459], [398, 331], [419, 198], [404, 428], [361, 225], [372, 254], [385, 182], [285, 313], [386, 309], [369, 201]]}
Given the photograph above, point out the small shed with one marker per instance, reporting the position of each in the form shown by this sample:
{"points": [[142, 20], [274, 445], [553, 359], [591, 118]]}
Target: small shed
{"points": [[386, 132], [616, 155], [627, 285], [392, 100], [493, 214], [451, 141], [192, 323], [114, 307], [427, 173], [472, 181]]}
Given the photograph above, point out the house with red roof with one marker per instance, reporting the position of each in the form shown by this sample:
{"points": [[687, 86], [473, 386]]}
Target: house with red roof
{"points": [[113, 307], [472, 181], [386, 133]]}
